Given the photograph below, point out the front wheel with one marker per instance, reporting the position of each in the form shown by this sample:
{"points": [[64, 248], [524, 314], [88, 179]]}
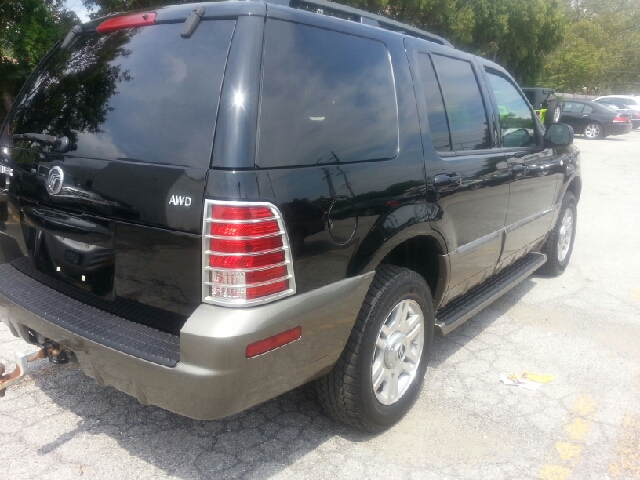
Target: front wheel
{"points": [[380, 371], [559, 245], [593, 131]]}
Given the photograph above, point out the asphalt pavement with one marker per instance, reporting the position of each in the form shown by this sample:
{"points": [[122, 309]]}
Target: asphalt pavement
{"points": [[583, 328]]}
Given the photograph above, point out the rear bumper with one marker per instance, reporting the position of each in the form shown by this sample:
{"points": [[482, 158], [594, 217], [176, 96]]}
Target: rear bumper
{"points": [[618, 128], [213, 378]]}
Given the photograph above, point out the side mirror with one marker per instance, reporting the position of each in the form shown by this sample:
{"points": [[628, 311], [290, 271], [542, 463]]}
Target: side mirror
{"points": [[558, 135]]}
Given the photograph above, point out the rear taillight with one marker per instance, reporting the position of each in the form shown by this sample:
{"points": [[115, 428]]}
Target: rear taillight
{"points": [[620, 120], [247, 260], [127, 21], [636, 115]]}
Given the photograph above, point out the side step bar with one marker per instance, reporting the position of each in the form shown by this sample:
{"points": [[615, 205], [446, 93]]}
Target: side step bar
{"points": [[466, 306]]}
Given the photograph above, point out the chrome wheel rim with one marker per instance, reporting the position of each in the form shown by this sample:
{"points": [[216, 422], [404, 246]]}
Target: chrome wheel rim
{"points": [[592, 131], [565, 235], [398, 350], [556, 115]]}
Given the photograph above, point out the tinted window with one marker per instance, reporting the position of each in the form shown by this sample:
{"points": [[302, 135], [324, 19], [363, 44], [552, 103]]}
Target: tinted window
{"points": [[571, 107], [145, 94], [326, 97], [438, 127], [587, 109], [630, 101], [463, 101], [516, 120], [531, 96]]}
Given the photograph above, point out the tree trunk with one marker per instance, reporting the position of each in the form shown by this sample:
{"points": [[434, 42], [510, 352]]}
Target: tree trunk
{"points": [[7, 102]]}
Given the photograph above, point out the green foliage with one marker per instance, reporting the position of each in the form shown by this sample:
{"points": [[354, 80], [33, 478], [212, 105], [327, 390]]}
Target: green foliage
{"points": [[515, 33], [600, 49], [28, 29]]}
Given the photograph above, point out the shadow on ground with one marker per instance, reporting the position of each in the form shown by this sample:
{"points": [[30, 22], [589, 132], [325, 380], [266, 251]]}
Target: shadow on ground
{"points": [[257, 443]]}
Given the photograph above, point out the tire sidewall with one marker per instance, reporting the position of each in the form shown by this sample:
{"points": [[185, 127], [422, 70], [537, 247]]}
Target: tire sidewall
{"points": [[409, 288], [569, 203]]}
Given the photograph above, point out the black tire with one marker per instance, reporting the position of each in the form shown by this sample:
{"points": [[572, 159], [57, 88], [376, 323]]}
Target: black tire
{"points": [[554, 266], [553, 113], [593, 125], [347, 392]]}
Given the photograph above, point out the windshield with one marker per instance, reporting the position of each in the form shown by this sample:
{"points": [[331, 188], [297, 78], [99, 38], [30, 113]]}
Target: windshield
{"points": [[144, 94]]}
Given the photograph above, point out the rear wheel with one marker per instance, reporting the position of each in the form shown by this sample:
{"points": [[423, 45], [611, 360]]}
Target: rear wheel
{"points": [[593, 131], [380, 371], [553, 113], [559, 245]]}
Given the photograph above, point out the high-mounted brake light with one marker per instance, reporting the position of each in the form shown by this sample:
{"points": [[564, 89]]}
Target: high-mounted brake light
{"points": [[247, 259], [127, 21]]}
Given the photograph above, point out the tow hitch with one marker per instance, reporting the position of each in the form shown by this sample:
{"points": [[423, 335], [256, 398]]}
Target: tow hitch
{"points": [[53, 351]]}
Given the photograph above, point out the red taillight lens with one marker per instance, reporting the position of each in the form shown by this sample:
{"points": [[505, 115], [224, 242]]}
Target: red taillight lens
{"points": [[246, 261], [127, 21], [253, 245], [247, 258], [620, 120], [243, 229], [271, 343], [636, 115], [220, 212]]}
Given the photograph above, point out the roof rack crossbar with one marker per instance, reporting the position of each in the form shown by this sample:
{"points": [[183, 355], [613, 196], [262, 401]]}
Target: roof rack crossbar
{"points": [[367, 18]]}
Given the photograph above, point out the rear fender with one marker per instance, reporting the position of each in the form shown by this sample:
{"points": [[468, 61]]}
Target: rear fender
{"points": [[394, 228]]}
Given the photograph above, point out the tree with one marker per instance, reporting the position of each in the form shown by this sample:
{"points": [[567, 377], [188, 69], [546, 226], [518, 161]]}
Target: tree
{"points": [[515, 33], [600, 50], [28, 29]]}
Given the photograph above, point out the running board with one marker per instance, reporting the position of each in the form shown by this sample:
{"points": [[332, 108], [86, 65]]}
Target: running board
{"points": [[466, 306]]}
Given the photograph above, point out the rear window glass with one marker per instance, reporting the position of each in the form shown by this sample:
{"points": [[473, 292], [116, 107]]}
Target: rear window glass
{"points": [[327, 97], [463, 101], [438, 126], [571, 107], [144, 94]]}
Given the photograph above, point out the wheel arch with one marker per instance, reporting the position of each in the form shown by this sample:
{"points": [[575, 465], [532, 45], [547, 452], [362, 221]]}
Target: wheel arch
{"points": [[575, 187], [416, 247]]}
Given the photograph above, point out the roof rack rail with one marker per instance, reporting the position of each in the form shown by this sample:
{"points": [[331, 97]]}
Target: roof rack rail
{"points": [[349, 13]]}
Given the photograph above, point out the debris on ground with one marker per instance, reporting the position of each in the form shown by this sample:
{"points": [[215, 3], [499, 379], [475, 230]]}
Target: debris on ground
{"points": [[530, 381]]}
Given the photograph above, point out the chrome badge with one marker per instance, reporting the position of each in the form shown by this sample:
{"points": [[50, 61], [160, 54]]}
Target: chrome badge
{"points": [[55, 180]]}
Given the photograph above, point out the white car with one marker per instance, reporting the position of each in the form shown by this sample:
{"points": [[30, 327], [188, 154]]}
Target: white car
{"points": [[624, 102]]}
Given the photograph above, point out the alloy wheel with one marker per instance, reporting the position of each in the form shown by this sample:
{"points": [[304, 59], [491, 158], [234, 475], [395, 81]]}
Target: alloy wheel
{"points": [[565, 235], [398, 350], [592, 130]]}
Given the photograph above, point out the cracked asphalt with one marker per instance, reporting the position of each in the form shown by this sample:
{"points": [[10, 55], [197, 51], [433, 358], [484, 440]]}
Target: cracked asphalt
{"points": [[582, 327]]}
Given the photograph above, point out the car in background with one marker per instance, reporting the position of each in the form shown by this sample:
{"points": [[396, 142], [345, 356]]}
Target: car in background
{"points": [[544, 103], [624, 102], [594, 120]]}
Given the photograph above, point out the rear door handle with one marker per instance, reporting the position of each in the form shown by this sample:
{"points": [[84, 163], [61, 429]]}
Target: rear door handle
{"points": [[447, 181]]}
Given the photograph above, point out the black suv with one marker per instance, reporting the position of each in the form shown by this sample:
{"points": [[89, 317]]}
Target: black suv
{"points": [[211, 204]]}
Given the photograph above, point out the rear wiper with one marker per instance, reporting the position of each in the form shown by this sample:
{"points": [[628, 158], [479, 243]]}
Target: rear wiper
{"points": [[59, 143]]}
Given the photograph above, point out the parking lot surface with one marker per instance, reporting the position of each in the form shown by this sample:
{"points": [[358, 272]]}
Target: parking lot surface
{"points": [[583, 328]]}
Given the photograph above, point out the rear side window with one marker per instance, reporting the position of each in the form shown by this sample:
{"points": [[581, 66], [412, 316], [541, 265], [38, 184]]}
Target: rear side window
{"points": [[516, 120], [438, 126], [327, 97], [144, 94], [587, 109], [571, 107], [463, 101]]}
